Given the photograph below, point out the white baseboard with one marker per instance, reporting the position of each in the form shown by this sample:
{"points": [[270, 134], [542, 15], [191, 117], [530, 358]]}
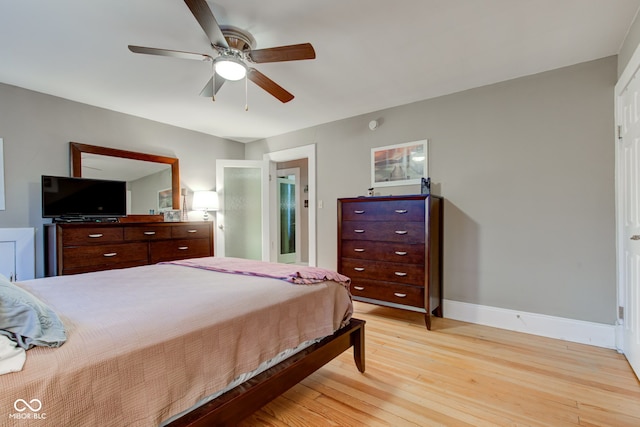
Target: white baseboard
{"points": [[597, 334]]}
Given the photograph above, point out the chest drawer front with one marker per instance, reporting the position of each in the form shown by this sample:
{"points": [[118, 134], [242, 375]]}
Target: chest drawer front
{"points": [[186, 231], [384, 251], [147, 233], [388, 231], [397, 210], [390, 292], [81, 236], [411, 274], [179, 249], [104, 255]]}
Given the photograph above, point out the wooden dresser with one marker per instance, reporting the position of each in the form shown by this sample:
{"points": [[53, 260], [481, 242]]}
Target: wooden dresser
{"points": [[82, 247], [391, 248]]}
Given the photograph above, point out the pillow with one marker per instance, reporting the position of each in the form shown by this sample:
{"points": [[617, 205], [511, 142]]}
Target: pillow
{"points": [[12, 357], [27, 320]]}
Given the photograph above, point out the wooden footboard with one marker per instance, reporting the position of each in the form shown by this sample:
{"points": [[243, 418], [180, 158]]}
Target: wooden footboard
{"points": [[245, 399]]}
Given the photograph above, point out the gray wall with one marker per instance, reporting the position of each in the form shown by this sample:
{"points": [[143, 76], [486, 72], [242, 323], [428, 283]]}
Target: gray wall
{"points": [[37, 129], [629, 45], [526, 168]]}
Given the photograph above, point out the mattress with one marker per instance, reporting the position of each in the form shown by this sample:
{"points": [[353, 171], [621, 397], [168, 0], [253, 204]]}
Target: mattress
{"points": [[147, 343]]}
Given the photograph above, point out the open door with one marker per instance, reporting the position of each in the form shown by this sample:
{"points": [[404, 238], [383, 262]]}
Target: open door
{"points": [[289, 212], [243, 217], [628, 212]]}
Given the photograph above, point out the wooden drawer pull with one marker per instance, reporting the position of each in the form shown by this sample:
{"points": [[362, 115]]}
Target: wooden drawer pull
{"points": [[358, 250], [401, 211], [359, 288], [399, 295], [401, 253], [358, 212], [358, 268], [149, 233], [110, 254], [400, 273], [95, 236], [358, 231], [183, 248], [192, 231], [401, 231]]}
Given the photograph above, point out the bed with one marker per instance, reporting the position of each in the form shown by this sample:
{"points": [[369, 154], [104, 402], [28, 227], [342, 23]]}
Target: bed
{"points": [[179, 344]]}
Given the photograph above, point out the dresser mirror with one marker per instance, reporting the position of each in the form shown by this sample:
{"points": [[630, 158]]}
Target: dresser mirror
{"points": [[148, 176]]}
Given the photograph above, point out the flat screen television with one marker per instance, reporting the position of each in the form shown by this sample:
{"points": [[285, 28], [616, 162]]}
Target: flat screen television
{"points": [[77, 198]]}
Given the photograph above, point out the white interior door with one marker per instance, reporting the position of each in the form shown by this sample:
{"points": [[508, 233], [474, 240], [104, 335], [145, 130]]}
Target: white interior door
{"points": [[243, 217], [288, 200], [628, 220]]}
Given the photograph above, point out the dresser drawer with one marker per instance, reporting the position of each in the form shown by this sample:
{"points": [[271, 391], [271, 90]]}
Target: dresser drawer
{"points": [[401, 210], [388, 231], [168, 250], [99, 235], [74, 257], [384, 251], [389, 292], [411, 274], [186, 231], [147, 232]]}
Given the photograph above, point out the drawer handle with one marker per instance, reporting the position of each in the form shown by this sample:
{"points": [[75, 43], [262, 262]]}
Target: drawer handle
{"points": [[110, 254], [401, 253], [183, 248], [401, 231], [192, 231], [358, 212], [358, 268], [359, 288], [95, 236], [400, 273], [401, 211], [358, 231], [399, 295], [149, 233], [358, 250]]}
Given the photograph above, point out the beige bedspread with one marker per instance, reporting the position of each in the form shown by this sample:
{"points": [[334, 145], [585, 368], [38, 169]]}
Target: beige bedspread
{"points": [[148, 342]]}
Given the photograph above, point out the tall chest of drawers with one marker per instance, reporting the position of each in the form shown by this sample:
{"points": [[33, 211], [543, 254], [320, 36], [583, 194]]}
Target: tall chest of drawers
{"points": [[83, 247], [391, 248]]}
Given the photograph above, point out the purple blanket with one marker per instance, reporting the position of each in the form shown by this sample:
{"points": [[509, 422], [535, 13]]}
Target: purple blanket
{"points": [[301, 275]]}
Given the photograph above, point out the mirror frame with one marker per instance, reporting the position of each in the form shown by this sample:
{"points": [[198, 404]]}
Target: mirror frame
{"points": [[78, 148]]}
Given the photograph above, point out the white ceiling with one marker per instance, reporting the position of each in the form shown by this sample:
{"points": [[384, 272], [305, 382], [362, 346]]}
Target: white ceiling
{"points": [[371, 54]]}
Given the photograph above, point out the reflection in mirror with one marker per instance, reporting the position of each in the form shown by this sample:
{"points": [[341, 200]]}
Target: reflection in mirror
{"points": [[147, 175]]}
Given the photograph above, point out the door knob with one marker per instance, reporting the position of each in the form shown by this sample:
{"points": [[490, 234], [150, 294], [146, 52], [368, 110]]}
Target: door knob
{"points": [[635, 237]]}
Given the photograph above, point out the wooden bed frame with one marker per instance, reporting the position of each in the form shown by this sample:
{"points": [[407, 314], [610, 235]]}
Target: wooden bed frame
{"points": [[242, 401]]}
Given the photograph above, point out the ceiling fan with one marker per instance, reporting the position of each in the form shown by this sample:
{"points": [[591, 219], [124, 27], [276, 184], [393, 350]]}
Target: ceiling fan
{"points": [[234, 49]]}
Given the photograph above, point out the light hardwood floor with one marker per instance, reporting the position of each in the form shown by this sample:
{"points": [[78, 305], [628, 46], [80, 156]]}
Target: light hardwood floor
{"points": [[460, 374]]}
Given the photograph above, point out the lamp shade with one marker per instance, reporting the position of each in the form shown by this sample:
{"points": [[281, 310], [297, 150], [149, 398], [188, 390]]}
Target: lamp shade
{"points": [[230, 68], [205, 201]]}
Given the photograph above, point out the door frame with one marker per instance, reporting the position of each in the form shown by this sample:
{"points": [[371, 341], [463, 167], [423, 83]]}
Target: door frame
{"points": [[302, 152]]}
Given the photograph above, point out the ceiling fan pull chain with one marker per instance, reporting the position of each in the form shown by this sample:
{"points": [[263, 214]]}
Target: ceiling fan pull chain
{"points": [[246, 93]]}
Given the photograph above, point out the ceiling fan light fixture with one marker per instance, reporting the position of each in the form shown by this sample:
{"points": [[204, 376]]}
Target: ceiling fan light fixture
{"points": [[230, 68]]}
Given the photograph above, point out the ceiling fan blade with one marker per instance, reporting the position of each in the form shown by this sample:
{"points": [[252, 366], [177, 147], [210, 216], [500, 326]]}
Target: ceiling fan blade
{"points": [[170, 53], [269, 85], [207, 21], [294, 52], [208, 91]]}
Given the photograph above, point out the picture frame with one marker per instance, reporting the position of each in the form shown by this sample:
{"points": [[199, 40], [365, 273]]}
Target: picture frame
{"points": [[399, 164], [165, 200], [172, 215]]}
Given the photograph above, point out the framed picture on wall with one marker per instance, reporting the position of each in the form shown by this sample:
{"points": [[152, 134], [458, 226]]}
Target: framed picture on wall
{"points": [[165, 200], [399, 164]]}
